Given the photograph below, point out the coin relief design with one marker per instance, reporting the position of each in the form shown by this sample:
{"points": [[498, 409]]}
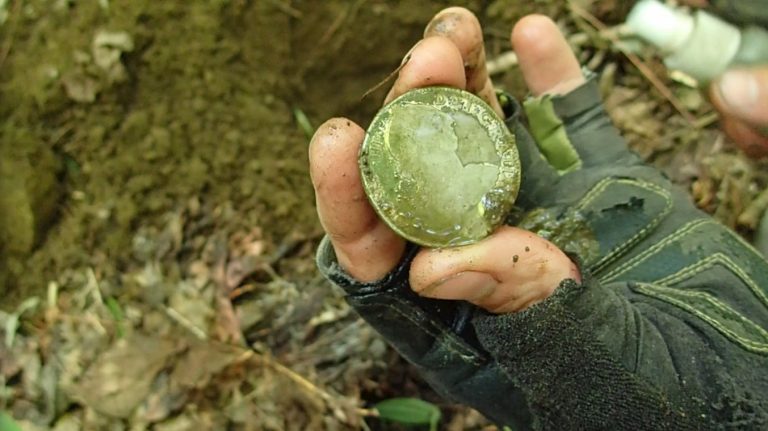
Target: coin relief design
{"points": [[440, 167]]}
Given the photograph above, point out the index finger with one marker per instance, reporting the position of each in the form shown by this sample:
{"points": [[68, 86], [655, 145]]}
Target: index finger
{"points": [[365, 247], [432, 61], [463, 29]]}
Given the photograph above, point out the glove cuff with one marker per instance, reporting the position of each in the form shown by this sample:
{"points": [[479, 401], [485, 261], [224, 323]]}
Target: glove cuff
{"points": [[329, 266], [540, 346]]}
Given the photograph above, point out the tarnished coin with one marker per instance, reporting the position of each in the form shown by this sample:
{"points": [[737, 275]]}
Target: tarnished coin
{"points": [[440, 167]]}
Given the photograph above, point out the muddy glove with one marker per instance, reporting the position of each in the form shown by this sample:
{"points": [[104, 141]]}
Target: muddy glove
{"points": [[667, 330]]}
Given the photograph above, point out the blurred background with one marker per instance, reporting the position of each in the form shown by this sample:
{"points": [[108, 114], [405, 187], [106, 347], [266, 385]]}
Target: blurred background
{"points": [[157, 223]]}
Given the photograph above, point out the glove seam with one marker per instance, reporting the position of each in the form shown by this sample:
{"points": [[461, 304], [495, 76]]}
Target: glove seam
{"points": [[642, 257], [618, 250], [354, 287], [474, 357]]}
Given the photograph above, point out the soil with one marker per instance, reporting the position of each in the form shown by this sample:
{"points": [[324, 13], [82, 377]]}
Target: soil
{"points": [[153, 161]]}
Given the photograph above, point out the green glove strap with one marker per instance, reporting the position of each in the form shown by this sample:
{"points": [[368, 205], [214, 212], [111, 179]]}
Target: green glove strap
{"points": [[549, 132]]}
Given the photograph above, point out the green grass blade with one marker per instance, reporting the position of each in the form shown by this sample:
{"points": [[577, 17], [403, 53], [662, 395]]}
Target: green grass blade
{"points": [[409, 411]]}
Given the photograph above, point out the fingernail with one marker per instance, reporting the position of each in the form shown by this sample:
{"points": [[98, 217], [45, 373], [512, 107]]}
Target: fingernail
{"points": [[443, 23], [740, 90], [468, 286]]}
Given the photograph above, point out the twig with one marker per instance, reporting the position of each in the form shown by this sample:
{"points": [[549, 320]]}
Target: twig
{"points": [[242, 290], [300, 380], [95, 321], [52, 295], [185, 323], [751, 215], [350, 10], [699, 124], [321, 48], [706, 120], [388, 78], [635, 60], [52, 302], [93, 287], [287, 9], [502, 63]]}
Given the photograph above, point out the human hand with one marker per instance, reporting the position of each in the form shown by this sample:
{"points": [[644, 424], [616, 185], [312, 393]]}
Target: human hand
{"points": [[508, 271], [741, 97], [666, 292], [741, 93]]}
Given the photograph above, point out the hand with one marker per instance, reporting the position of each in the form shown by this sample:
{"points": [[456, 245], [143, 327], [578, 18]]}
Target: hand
{"points": [[508, 271], [645, 306], [741, 94], [668, 295]]}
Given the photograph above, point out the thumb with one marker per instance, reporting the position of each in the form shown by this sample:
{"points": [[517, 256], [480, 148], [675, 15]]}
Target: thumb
{"points": [[743, 93], [506, 272]]}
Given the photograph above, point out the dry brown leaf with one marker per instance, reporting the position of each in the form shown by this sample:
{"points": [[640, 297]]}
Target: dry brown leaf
{"points": [[121, 377]]}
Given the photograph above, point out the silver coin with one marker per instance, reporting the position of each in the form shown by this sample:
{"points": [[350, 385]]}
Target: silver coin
{"points": [[440, 167]]}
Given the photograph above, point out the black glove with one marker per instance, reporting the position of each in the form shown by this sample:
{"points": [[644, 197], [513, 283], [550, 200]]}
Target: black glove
{"points": [[667, 331]]}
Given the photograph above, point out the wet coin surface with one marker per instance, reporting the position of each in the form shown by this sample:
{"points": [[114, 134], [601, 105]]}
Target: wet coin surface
{"points": [[440, 167]]}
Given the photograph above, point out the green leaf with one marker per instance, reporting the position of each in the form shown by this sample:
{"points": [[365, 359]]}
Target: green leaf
{"points": [[304, 124], [117, 313], [7, 423], [409, 411]]}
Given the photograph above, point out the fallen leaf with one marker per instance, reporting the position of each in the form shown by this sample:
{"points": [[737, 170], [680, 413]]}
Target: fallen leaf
{"points": [[203, 361], [80, 87], [121, 377]]}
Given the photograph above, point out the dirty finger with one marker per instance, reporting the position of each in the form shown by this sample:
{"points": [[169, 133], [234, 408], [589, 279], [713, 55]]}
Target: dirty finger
{"points": [[433, 61], [365, 247], [462, 28]]}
